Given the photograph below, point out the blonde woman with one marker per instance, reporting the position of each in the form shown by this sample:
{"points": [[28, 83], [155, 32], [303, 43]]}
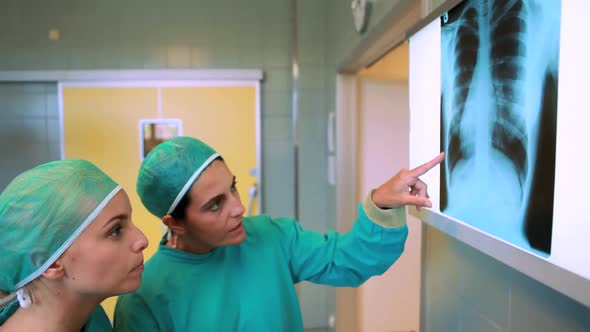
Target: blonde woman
{"points": [[67, 243]]}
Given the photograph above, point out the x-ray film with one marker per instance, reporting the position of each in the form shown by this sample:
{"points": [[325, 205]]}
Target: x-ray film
{"points": [[498, 117]]}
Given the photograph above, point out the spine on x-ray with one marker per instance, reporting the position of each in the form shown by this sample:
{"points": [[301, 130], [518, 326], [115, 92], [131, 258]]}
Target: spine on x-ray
{"points": [[493, 31]]}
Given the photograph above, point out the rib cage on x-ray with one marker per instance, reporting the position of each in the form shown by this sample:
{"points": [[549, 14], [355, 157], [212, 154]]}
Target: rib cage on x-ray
{"points": [[499, 101]]}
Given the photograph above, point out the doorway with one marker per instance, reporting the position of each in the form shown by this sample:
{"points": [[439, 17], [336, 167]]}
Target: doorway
{"points": [[101, 123]]}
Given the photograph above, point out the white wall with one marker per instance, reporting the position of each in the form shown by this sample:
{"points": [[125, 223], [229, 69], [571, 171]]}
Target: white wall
{"points": [[389, 302]]}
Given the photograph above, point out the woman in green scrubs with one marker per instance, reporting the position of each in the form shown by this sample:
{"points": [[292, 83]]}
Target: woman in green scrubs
{"points": [[216, 270], [66, 243]]}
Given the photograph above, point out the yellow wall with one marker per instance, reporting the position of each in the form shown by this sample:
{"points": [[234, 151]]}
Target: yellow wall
{"points": [[394, 66], [101, 125]]}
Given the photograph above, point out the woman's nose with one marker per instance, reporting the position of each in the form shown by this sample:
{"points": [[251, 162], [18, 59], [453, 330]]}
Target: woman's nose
{"points": [[141, 242]]}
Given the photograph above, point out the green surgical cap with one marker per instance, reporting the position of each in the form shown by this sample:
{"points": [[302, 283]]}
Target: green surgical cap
{"points": [[43, 211], [169, 170]]}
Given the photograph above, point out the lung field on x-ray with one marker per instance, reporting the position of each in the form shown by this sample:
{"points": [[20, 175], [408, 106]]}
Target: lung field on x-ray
{"points": [[499, 105]]}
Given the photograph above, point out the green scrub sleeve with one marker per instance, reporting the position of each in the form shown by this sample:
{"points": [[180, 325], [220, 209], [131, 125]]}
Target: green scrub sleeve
{"points": [[374, 243]]}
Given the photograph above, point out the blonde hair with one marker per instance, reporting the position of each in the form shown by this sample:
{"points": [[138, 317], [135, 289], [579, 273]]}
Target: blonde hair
{"points": [[29, 290], [6, 298]]}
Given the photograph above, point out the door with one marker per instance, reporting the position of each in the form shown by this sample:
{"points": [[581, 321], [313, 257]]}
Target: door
{"points": [[101, 124]]}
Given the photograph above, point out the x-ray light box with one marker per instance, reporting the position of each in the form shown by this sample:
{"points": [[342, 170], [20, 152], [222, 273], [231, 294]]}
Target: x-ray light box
{"points": [[503, 92]]}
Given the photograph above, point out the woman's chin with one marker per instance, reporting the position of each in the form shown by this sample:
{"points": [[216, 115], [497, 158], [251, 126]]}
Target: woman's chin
{"points": [[130, 285]]}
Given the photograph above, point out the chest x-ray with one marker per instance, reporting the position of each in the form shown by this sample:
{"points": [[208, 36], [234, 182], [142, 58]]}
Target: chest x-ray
{"points": [[498, 123]]}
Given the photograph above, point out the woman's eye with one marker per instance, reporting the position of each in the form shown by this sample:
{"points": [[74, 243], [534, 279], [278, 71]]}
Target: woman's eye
{"points": [[215, 206], [116, 231]]}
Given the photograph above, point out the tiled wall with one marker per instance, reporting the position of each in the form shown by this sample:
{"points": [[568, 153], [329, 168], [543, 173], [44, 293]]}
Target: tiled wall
{"points": [[465, 290], [135, 34], [316, 207], [29, 128]]}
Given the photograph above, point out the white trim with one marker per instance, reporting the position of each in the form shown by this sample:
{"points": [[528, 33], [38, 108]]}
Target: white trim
{"points": [[131, 75], [346, 151], [535, 266], [156, 83], [190, 181], [346, 180], [258, 116], [71, 239]]}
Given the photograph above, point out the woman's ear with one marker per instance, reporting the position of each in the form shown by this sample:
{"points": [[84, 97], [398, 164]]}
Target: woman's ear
{"points": [[55, 271], [174, 224]]}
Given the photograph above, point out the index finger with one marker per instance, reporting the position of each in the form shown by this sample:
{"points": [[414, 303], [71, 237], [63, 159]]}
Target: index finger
{"points": [[428, 165]]}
